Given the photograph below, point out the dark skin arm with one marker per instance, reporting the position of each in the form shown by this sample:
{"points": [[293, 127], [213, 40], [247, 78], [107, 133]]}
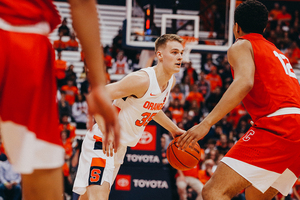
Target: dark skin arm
{"points": [[240, 56]]}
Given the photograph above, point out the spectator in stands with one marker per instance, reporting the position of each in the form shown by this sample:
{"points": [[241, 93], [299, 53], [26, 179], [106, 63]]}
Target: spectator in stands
{"points": [[84, 86], [195, 95], [214, 98], [190, 72], [107, 75], [295, 22], [214, 79], [71, 91], [210, 145], [80, 111], [226, 74], [64, 106], [64, 28], [68, 183], [117, 44], [72, 44], [66, 167], [278, 32], [204, 86], [10, 187], [226, 125], [296, 190], [208, 66], [135, 62], [292, 57], [185, 86], [188, 178], [295, 50], [273, 14], [284, 17], [194, 106], [242, 127], [222, 144], [121, 65], [177, 110], [59, 45], [70, 74], [205, 174], [285, 40], [64, 135], [83, 73], [272, 37], [107, 57], [190, 120], [60, 70], [213, 154], [164, 146], [177, 94], [65, 125]]}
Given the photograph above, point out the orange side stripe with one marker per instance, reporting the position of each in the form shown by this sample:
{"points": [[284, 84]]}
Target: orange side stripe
{"points": [[98, 162], [97, 138], [118, 109]]}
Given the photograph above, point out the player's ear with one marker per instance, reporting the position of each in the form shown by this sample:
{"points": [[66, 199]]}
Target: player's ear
{"points": [[159, 55]]}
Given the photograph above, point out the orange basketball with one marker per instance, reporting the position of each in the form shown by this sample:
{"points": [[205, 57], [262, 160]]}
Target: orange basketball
{"points": [[183, 159]]}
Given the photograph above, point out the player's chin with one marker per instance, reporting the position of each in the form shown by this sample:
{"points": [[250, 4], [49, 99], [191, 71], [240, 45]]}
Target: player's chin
{"points": [[177, 67]]}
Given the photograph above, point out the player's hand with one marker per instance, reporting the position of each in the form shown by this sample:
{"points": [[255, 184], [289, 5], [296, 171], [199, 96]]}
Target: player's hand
{"points": [[194, 134], [108, 147], [99, 103], [178, 133]]}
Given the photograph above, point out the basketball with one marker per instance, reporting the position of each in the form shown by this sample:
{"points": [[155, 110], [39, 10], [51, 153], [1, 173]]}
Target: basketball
{"points": [[183, 159]]}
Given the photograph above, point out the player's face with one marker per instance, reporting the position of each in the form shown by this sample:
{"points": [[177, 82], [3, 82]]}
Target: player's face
{"points": [[172, 56]]}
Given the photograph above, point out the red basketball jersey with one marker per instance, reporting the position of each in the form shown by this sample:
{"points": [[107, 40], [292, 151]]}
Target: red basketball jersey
{"points": [[275, 83], [28, 12]]}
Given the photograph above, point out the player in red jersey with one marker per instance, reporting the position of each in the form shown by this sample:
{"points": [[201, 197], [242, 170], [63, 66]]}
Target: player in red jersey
{"points": [[266, 159], [28, 110]]}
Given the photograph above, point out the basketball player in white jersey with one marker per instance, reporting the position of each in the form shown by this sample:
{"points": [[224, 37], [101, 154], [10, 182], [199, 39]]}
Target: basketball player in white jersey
{"points": [[139, 97]]}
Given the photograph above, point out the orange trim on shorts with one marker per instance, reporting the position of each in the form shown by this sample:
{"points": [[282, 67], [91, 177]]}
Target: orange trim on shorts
{"points": [[98, 162], [97, 138]]}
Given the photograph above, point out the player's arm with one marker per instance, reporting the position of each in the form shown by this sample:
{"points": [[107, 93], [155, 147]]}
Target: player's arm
{"points": [[134, 84], [240, 56], [85, 23], [167, 123]]}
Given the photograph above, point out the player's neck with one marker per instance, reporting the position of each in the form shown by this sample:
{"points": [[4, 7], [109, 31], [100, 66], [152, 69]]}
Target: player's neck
{"points": [[162, 76]]}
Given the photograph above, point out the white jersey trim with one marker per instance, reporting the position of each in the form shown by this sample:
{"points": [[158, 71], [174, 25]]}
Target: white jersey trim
{"points": [[26, 152], [261, 178], [42, 28], [285, 111]]}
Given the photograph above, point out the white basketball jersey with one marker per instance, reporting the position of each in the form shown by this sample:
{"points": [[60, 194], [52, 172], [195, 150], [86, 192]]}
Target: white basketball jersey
{"points": [[136, 113]]}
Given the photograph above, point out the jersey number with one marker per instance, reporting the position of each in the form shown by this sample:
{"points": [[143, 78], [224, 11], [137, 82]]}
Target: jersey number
{"points": [[147, 117], [286, 66]]}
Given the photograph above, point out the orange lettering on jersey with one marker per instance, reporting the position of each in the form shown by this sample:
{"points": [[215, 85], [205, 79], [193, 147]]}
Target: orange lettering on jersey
{"points": [[146, 105], [153, 106]]}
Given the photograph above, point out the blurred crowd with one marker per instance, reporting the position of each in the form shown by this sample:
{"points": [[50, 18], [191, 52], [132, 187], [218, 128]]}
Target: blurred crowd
{"points": [[193, 97]]}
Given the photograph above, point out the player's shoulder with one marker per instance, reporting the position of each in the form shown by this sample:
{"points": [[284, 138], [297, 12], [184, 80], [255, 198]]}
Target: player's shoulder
{"points": [[239, 47], [139, 79], [241, 44]]}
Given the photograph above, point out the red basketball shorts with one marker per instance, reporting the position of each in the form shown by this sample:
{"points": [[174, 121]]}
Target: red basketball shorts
{"points": [[268, 154], [28, 108]]}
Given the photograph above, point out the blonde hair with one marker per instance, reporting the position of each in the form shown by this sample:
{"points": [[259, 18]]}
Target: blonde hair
{"points": [[162, 40]]}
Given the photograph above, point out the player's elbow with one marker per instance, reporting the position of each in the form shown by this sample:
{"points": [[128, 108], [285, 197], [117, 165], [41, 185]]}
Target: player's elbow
{"points": [[248, 85]]}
